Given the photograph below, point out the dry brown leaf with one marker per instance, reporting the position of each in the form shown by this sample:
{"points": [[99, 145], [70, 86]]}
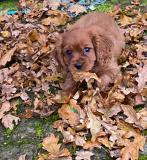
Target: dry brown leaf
{"points": [[143, 19], [131, 150], [114, 110], [8, 119], [33, 35], [138, 99], [56, 18], [142, 117], [70, 112], [130, 113], [4, 108], [117, 96], [104, 141], [79, 140], [135, 32], [7, 56], [68, 136], [125, 20], [94, 124], [142, 78], [90, 145], [54, 4], [80, 76], [50, 144], [8, 89], [77, 9], [86, 155], [113, 131]]}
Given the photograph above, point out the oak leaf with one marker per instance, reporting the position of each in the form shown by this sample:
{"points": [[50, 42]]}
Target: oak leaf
{"points": [[8, 120], [4, 108], [7, 56]]}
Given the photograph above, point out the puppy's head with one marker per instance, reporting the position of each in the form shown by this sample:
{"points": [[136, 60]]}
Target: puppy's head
{"points": [[79, 49], [76, 51]]}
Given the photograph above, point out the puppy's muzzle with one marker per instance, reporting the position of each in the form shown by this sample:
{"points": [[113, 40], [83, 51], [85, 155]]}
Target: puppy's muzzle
{"points": [[78, 65]]}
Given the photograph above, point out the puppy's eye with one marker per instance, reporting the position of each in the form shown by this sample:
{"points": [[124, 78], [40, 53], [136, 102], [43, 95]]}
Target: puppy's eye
{"points": [[86, 50], [69, 52]]}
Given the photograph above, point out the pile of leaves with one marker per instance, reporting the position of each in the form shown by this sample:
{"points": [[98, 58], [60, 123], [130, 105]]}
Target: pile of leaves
{"points": [[90, 119]]}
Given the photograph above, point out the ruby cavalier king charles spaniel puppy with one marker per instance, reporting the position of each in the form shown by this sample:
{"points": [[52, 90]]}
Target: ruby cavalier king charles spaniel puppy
{"points": [[92, 44]]}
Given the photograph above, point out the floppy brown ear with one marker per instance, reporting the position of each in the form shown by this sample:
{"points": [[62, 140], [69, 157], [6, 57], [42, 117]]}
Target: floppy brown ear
{"points": [[59, 55], [103, 46]]}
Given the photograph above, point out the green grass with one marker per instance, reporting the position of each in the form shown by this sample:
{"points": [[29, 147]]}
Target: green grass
{"points": [[143, 157], [8, 5], [106, 7]]}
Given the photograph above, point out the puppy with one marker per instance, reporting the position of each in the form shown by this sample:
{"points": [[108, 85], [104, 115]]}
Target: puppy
{"points": [[92, 44]]}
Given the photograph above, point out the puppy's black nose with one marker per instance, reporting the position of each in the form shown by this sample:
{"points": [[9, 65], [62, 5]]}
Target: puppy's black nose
{"points": [[78, 65]]}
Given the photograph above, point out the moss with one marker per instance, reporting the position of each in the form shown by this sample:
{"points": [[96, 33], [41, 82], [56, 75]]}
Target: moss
{"points": [[72, 149], [54, 117], [139, 107], [106, 7], [42, 95], [39, 125], [144, 132], [8, 133], [52, 89], [143, 157], [38, 129], [19, 106], [23, 141]]}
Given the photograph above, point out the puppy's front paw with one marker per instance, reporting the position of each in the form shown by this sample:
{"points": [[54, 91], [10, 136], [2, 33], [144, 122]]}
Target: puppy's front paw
{"points": [[105, 81]]}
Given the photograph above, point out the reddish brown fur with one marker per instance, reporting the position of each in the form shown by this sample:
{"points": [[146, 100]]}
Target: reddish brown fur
{"points": [[100, 33]]}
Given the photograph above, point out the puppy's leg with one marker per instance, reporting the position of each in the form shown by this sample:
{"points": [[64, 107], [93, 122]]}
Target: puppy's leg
{"points": [[69, 86], [109, 76]]}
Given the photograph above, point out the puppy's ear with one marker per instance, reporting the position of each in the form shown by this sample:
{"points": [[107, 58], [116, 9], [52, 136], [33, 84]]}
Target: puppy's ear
{"points": [[103, 47], [58, 53]]}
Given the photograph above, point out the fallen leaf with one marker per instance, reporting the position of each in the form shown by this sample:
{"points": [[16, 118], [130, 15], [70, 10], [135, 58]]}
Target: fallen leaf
{"points": [[50, 144], [56, 18], [70, 112], [77, 9], [142, 117], [54, 4], [7, 56], [4, 108], [6, 34], [130, 113], [125, 20], [94, 124], [8, 119], [80, 76], [142, 78], [90, 145], [131, 150], [86, 155], [79, 140]]}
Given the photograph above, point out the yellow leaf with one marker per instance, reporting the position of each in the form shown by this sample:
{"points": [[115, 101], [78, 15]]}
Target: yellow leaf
{"points": [[6, 34], [7, 57], [70, 112], [56, 18], [125, 20], [51, 144]]}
